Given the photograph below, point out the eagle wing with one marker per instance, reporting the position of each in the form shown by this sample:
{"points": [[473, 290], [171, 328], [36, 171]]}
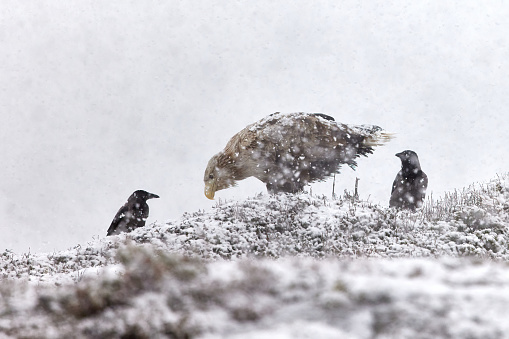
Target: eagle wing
{"points": [[315, 142]]}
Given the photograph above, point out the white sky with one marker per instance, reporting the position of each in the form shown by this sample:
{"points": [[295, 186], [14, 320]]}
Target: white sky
{"points": [[100, 98]]}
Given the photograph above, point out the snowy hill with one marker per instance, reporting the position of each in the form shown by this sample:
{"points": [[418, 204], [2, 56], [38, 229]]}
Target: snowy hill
{"points": [[278, 267]]}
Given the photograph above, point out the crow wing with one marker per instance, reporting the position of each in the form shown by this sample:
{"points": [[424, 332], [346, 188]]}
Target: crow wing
{"points": [[119, 217]]}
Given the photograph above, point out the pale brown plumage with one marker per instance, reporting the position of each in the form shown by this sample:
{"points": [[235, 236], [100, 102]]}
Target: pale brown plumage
{"points": [[288, 151]]}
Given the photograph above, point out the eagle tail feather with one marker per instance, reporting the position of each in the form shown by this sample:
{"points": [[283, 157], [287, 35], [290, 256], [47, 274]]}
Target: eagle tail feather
{"points": [[378, 139]]}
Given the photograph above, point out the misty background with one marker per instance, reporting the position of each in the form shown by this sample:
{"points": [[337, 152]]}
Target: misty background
{"points": [[100, 98]]}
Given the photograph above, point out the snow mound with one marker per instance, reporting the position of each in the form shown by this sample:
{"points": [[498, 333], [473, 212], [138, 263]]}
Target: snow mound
{"points": [[286, 266], [304, 225], [164, 295]]}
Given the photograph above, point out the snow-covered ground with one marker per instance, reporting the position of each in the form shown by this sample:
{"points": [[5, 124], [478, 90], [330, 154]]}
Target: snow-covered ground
{"points": [[284, 266]]}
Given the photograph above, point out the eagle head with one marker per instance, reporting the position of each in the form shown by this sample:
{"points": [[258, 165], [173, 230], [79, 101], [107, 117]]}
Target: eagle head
{"points": [[219, 174]]}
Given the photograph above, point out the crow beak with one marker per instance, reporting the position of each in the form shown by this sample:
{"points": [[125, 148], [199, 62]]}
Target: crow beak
{"points": [[399, 155], [152, 196]]}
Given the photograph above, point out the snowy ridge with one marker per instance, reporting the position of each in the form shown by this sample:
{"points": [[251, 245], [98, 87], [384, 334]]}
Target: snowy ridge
{"points": [[282, 225], [289, 266], [163, 295]]}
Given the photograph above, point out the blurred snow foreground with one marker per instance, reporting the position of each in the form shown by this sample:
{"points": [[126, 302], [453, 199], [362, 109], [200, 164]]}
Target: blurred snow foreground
{"points": [[283, 266]]}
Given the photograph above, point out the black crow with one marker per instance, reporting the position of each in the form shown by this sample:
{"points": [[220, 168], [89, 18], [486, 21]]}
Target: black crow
{"points": [[409, 187], [133, 214]]}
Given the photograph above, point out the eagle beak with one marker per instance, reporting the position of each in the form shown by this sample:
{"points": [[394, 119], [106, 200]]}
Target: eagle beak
{"points": [[209, 191]]}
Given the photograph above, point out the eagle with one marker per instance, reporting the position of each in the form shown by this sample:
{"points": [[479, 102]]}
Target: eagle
{"points": [[289, 151], [133, 214], [409, 187]]}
